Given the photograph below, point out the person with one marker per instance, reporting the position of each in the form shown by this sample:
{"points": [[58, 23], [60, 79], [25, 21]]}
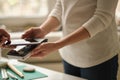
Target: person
{"points": [[89, 46], [4, 37]]}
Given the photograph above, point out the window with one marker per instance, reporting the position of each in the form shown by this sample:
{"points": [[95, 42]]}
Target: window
{"points": [[19, 15], [23, 8]]}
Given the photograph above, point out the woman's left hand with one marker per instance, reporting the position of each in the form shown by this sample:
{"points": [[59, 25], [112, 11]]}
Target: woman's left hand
{"points": [[44, 49]]}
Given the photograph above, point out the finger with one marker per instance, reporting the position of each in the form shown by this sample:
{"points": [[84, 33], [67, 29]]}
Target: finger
{"points": [[28, 33], [3, 40], [38, 49], [5, 34], [40, 54], [1, 37], [9, 46]]}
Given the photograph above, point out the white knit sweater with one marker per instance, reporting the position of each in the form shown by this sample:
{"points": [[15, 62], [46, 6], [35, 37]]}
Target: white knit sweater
{"points": [[98, 17]]}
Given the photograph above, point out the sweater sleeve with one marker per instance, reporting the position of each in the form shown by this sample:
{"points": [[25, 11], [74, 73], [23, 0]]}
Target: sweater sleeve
{"points": [[57, 11], [103, 15]]}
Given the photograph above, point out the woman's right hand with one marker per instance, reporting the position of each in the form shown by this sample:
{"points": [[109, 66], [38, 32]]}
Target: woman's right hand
{"points": [[34, 32]]}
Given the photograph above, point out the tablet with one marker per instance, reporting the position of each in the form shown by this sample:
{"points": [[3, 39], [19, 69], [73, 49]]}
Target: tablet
{"points": [[23, 48], [21, 42]]}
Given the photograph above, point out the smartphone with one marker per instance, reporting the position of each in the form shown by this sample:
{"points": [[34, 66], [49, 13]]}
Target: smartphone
{"points": [[23, 48]]}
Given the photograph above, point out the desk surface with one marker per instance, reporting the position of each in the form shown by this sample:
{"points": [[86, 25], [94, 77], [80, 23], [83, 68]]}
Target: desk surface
{"points": [[52, 75]]}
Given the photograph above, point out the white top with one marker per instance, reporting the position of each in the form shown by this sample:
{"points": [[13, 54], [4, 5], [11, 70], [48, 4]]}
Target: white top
{"points": [[98, 17]]}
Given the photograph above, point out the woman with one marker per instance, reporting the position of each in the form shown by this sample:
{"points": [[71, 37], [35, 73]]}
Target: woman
{"points": [[89, 46]]}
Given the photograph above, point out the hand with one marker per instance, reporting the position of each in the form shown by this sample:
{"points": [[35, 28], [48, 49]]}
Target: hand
{"points": [[44, 49], [4, 36], [34, 32]]}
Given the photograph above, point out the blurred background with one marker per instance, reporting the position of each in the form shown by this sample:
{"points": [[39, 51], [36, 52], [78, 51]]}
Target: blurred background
{"points": [[18, 15]]}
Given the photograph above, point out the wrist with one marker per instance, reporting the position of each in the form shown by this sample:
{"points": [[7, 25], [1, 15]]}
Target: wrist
{"points": [[43, 31], [59, 44]]}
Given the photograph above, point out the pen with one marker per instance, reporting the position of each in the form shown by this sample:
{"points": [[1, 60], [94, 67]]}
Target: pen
{"points": [[12, 67], [4, 74], [12, 76]]}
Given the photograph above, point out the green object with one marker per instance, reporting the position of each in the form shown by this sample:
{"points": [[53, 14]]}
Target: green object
{"points": [[27, 75]]}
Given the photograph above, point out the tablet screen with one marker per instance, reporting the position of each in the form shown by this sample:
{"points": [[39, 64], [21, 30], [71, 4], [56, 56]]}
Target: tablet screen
{"points": [[18, 42]]}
